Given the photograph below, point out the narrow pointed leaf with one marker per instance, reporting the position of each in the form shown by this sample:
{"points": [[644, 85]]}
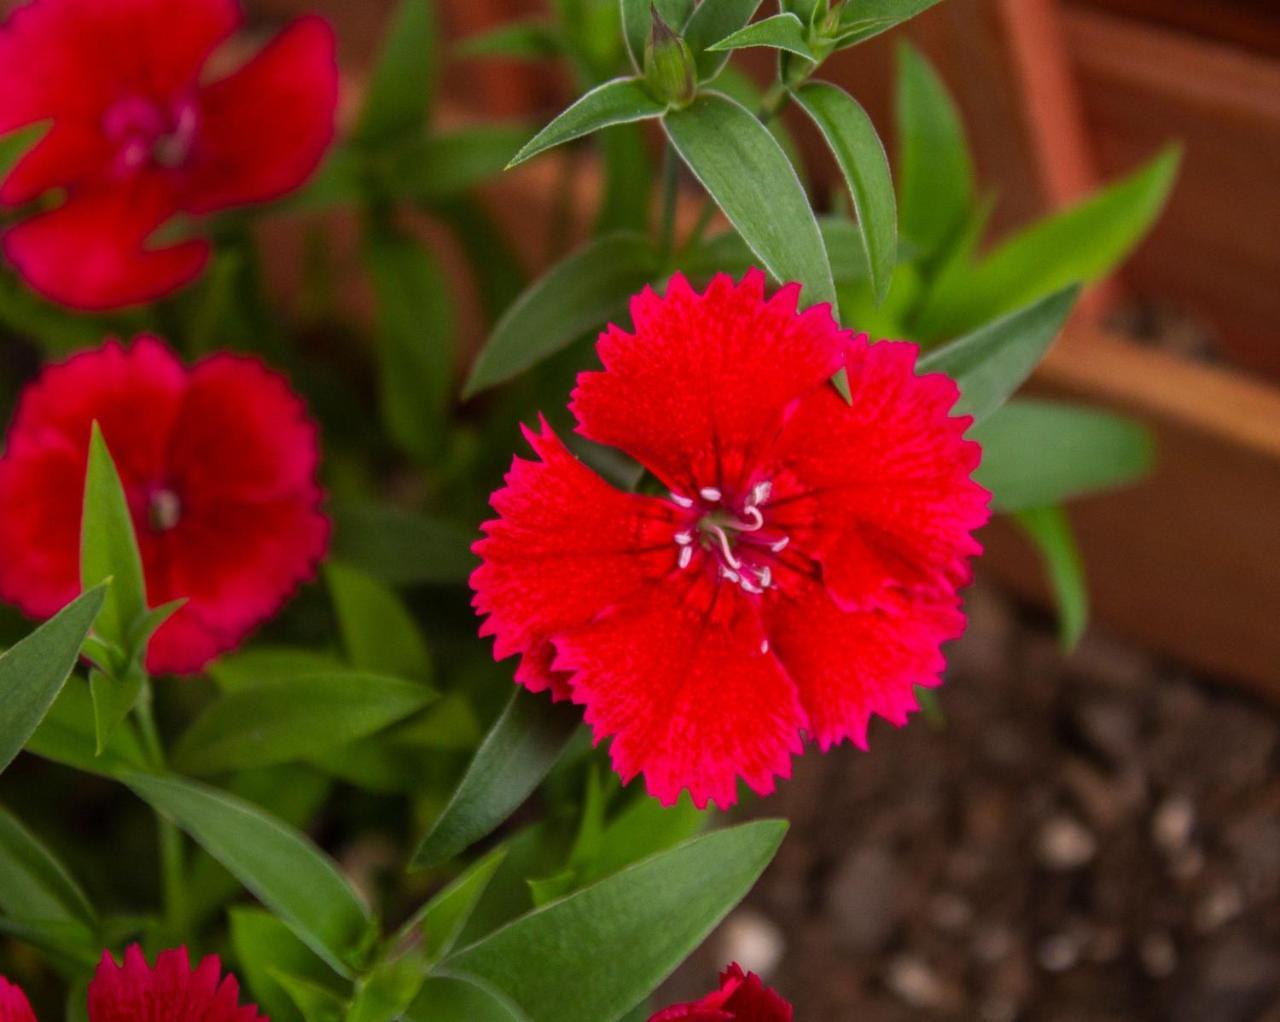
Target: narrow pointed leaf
{"points": [[1081, 243], [781, 32], [461, 999], [377, 630], [512, 760], [442, 920], [108, 546], [35, 887], [314, 1000], [1050, 530], [619, 101], [710, 22], [67, 735], [114, 698], [621, 937], [579, 295], [401, 88], [34, 670], [935, 172], [282, 868], [16, 144], [858, 150], [637, 23], [744, 169], [865, 19], [1040, 453], [992, 362], [264, 946], [294, 719]]}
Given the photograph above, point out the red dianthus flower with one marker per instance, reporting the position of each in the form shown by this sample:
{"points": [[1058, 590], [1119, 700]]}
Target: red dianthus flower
{"points": [[138, 135], [801, 573], [742, 997], [135, 992], [219, 466]]}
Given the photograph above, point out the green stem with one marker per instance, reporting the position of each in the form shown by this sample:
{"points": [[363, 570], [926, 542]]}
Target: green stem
{"points": [[173, 872], [670, 195]]}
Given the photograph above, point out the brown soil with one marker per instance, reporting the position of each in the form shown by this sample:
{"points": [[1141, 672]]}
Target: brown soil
{"points": [[1087, 837]]}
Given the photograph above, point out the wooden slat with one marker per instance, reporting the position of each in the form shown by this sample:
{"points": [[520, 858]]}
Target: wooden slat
{"points": [[1188, 562]]}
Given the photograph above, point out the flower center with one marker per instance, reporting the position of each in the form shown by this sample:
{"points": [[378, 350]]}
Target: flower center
{"points": [[734, 535], [164, 509], [145, 132]]}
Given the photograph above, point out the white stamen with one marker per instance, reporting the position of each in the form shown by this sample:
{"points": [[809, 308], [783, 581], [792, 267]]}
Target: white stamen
{"points": [[730, 574], [780, 544], [725, 546], [764, 646], [710, 493], [760, 493], [765, 575], [756, 523], [749, 587], [680, 500], [686, 555], [684, 538]]}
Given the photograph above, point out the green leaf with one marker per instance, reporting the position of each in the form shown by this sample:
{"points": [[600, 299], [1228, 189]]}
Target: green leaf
{"points": [[377, 630], [36, 889], [1050, 530], [282, 868], [67, 735], [512, 760], [442, 920], [260, 665], [744, 169], [619, 101], [315, 1001], [415, 330], [619, 938], [935, 171], [1040, 453], [439, 167], [728, 253], [113, 700], [534, 39], [401, 547], [389, 988], [866, 19], [781, 32], [401, 88], [644, 827], [627, 176], [853, 140], [109, 548], [1082, 244], [710, 22], [34, 670], [991, 363], [265, 947], [461, 999], [576, 296], [16, 144], [294, 719]]}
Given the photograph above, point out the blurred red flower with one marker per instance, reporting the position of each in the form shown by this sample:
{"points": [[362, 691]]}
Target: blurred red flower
{"points": [[219, 466], [135, 992], [742, 997], [799, 576], [137, 134]]}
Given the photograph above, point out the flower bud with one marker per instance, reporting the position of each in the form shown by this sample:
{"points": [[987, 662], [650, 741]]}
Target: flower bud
{"points": [[668, 64]]}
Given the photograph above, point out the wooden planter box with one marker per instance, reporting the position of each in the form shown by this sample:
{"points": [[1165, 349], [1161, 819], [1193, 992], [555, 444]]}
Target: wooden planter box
{"points": [[1059, 97]]}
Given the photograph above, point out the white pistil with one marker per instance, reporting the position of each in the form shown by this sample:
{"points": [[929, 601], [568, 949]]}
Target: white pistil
{"points": [[680, 501], [726, 548], [710, 493], [686, 555], [756, 520]]}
